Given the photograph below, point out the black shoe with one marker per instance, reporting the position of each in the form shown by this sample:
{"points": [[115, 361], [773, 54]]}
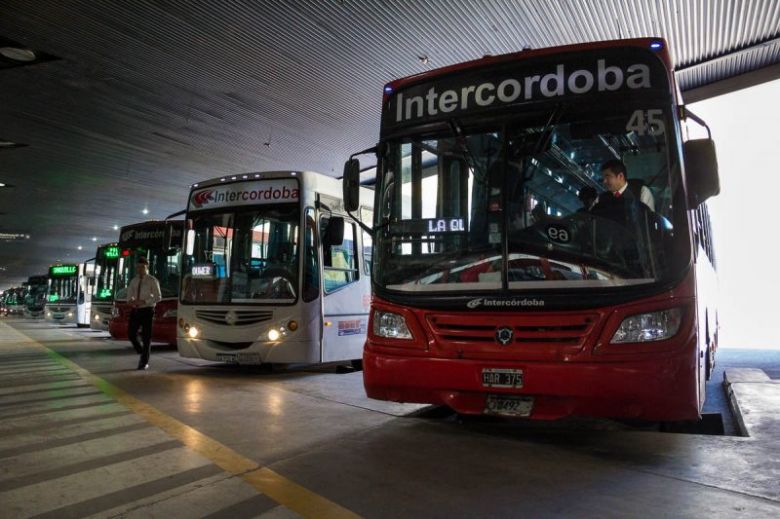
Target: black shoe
{"points": [[142, 366]]}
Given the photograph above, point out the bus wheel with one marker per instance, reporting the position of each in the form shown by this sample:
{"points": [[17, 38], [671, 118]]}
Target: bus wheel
{"points": [[357, 364]]}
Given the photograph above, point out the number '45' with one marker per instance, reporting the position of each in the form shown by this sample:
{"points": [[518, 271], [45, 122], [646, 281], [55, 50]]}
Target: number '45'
{"points": [[648, 121]]}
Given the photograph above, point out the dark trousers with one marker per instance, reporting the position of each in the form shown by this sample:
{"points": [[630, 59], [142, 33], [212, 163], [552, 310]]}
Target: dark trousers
{"points": [[141, 318]]}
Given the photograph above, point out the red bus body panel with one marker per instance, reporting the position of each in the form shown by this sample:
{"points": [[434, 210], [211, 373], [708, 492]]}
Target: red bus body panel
{"points": [[569, 366], [163, 328]]}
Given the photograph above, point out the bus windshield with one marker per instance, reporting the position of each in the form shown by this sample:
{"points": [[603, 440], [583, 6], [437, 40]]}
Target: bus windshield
{"points": [[244, 256], [36, 294], [62, 290], [518, 203], [163, 265], [105, 271]]}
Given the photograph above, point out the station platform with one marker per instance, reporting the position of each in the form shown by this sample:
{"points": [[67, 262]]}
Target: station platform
{"points": [[83, 434]]}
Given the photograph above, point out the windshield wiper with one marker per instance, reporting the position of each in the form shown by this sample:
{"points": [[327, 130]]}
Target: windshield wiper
{"points": [[460, 139]]}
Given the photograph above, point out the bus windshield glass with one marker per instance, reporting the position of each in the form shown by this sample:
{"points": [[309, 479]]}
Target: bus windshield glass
{"points": [[62, 289], [519, 202], [163, 265], [105, 270], [244, 256], [36, 294]]}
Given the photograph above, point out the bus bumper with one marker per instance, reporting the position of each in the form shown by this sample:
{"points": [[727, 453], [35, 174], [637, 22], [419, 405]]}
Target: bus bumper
{"points": [[663, 388]]}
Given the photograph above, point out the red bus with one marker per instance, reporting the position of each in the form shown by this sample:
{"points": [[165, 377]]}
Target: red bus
{"points": [[160, 242], [495, 290]]}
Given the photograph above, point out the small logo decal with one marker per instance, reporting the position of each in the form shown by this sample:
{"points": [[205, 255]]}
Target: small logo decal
{"points": [[504, 335], [474, 303], [231, 318], [202, 197]]}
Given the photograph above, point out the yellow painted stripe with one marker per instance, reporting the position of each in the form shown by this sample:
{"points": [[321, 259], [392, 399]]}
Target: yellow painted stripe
{"points": [[277, 487]]}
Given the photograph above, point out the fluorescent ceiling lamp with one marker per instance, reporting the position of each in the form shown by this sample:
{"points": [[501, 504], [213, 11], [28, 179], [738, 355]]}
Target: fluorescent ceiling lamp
{"points": [[17, 54]]}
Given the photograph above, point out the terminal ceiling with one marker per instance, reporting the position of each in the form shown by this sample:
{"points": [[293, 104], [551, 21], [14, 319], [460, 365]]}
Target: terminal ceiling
{"points": [[130, 102]]}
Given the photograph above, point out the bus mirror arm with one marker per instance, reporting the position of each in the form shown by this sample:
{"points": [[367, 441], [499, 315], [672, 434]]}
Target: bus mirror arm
{"points": [[688, 114], [363, 226]]}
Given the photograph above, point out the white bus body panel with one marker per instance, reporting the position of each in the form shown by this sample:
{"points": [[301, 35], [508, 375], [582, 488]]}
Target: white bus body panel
{"points": [[346, 319]]}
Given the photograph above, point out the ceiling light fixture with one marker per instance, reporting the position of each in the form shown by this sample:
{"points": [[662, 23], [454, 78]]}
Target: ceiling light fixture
{"points": [[79, 247], [145, 211], [94, 238], [115, 227], [17, 54]]}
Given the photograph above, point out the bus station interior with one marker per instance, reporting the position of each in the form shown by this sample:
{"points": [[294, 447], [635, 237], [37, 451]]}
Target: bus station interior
{"points": [[114, 113]]}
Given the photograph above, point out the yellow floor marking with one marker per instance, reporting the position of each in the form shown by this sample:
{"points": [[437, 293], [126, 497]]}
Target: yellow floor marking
{"points": [[277, 487]]}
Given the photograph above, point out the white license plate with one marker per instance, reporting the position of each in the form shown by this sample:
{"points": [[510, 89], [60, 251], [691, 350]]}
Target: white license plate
{"points": [[502, 377], [239, 358], [509, 405]]}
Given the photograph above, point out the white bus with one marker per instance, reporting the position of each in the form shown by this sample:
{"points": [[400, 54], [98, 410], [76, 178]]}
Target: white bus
{"points": [[274, 271], [86, 283], [61, 294], [106, 259]]}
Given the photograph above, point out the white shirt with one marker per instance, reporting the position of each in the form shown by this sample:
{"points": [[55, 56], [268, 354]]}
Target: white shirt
{"points": [[150, 291], [645, 196]]}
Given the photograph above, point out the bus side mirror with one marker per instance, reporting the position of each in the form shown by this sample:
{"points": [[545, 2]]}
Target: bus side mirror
{"points": [[334, 233], [190, 241], [701, 171], [351, 185]]}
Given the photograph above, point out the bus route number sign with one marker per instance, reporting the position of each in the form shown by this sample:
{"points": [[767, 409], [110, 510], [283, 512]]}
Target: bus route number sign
{"points": [[559, 233]]}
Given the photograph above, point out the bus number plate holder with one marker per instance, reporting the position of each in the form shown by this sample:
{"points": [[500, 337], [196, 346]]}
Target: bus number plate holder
{"points": [[502, 377], [509, 405]]}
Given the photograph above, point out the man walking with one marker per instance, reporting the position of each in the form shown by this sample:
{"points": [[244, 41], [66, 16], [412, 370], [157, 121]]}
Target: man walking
{"points": [[143, 293]]}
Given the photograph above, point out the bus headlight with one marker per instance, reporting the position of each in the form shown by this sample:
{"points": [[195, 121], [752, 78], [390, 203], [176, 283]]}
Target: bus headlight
{"points": [[652, 326], [274, 334], [70, 314], [390, 325], [193, 332], [97, 317]]}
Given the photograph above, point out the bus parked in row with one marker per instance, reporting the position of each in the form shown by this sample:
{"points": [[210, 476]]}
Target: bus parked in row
{"points": [[106, 260], [495, 289], [62, 293], [13, 301], [35, 299], [160, 243], [274, 271]]}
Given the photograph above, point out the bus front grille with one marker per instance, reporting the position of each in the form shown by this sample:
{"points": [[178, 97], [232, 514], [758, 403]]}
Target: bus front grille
{"points": [[234, 317], [533, 335]]}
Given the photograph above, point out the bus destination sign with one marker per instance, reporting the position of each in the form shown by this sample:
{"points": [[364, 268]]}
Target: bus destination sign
{"points": [[62, 270]]}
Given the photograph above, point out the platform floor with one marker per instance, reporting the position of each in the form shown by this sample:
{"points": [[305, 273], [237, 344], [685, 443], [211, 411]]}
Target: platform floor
{"points": [[82, 434]]}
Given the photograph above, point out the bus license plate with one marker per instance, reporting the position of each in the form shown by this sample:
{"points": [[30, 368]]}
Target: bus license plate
{"points": [[509, 405], [239, 358], [501, 377]]}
